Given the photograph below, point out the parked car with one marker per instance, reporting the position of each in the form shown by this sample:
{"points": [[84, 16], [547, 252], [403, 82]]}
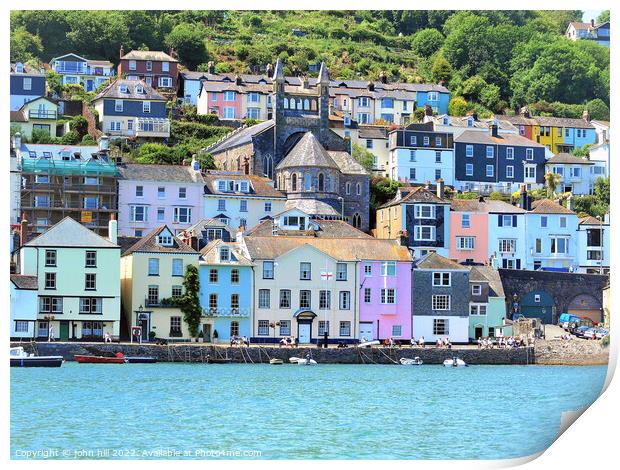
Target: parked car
{"points": [[580, 331], [566, 319], [579, 322], [596, 333]]}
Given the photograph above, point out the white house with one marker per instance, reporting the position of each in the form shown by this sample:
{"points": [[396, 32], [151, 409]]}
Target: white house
{"points": [[594, 241], [577, 174], [24, 306]]}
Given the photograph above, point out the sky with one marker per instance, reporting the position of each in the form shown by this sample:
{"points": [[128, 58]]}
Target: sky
{"points": [[590, 14]]}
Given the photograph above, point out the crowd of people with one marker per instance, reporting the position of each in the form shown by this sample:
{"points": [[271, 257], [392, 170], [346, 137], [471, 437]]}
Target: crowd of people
{"points": [[501, 342], [239, 341], [290, 341]]}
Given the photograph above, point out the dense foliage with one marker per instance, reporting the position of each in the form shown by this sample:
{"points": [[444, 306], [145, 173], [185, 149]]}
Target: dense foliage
{"points": [[493, 59]]}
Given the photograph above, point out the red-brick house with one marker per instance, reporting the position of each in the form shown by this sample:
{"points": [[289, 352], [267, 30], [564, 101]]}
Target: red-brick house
{"points": [[156, 68]]}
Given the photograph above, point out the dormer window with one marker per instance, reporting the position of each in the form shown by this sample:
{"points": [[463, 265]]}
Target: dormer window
{"points": [[149, 66], [66, 155], [244, 186], [231, 186], [164, 240], [221, 185], [19, 68], [123, 88], [224, 253], [140, 89], [47, 154], [347, 120], [445, 121]]}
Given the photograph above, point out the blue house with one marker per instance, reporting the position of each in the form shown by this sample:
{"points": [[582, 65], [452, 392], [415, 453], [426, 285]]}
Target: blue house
{"points": [[490, 161], [437, 97], [26, 84], [132, 108], [226, 286]]}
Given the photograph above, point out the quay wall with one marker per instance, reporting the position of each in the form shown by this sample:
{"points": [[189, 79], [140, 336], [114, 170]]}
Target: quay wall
{"points": [[544, 352]]}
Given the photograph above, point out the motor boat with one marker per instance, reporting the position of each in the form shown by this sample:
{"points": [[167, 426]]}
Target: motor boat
{"points": [[367, 344], [140, 359], [293, 360], [20, 358], [218, 360], [89, 359], [276, 362], [416, 361], [306, 361], [455, 362]]}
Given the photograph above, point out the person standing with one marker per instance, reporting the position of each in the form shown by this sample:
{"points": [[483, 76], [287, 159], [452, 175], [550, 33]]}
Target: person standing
{"points": [[50, 336]]}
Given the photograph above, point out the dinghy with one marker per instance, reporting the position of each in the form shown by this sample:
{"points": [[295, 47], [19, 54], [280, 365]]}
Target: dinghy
{"points": [[367, 344], [454, 362], [306, 362], [276, 361], [416, 361], [293, 360]]}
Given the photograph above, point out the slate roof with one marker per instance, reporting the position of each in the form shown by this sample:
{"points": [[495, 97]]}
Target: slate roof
{"points": [[346, 163], [326, 229], [567, 158], [477, 137], [367, 132], [487, 206], [203, 224], [349, 249], [547, 206], [168, 173], [126, 242], [148, 55], [414, 194], [313, 207], [241, 136], [490, 275], [113, 91], [589, 220], [260, 186], [308, 152], [562, 122], [25, 282], [211, 254], [18, 116], [148, 244], [28, 70], [70, 233], [435, 261]]}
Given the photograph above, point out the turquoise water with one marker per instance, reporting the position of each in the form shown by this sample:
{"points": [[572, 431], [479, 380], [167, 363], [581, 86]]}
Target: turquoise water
{"points": [[328, 411]]}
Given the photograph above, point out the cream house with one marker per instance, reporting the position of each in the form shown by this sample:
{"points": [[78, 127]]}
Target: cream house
{"points": [[152, 272]]}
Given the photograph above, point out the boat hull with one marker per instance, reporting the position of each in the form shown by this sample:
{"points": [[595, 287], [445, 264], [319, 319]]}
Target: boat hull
{"points": [[141, 360], [99, 359], [41, 361]]}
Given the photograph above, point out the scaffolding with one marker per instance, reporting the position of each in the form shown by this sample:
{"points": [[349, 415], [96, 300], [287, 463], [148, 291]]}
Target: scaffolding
{"points": [[85, 190]]}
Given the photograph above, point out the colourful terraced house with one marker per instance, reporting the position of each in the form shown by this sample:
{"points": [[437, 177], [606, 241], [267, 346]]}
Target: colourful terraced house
{"points": [[563, 134], [487, 306], [226, 291]]}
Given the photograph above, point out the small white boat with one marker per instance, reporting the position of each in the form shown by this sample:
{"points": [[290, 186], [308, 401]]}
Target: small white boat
{"points": [[276, 361], [455, 362], [416, 361], [306, 361], [20, 358], [293, 360], [365, 344]]}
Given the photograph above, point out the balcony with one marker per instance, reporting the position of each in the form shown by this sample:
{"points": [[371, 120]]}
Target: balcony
{"points": [[79, 68], [158, 303], [226, 312], [153, 127], [42, 114]]}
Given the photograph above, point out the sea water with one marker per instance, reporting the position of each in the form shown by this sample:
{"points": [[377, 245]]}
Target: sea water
{"points": [[110, 411]]}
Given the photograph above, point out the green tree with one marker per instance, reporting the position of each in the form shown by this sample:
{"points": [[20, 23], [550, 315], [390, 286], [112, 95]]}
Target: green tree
{"points": [[603, 17], [79, 125], [426, 42], [54, 81], [458, 106], [441, 70], [468, 45], [552, 180], [24, 45], [363, 156], [188, 41], [490, 97], [598, 109], [189, 302], [472, 87]]}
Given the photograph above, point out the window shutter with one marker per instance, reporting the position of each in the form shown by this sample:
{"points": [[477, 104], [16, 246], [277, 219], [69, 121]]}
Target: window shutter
{"points": [[499, 220], [514, 220]]}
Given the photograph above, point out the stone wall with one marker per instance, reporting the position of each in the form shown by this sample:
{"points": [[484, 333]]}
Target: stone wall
{"points": [[351, 355], [575, 352]]}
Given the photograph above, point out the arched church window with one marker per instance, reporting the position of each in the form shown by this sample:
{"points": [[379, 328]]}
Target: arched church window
{"points": [[294, 182], [321, 182]]}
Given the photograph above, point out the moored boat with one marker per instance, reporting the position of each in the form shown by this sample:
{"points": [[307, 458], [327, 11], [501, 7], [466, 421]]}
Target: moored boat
{"points": [[455, 362], [416, 361], [306, 361], [140, 359], [276, 361], [20, 358], [218, 360], [89, 359], [293, 360], [367, 344]]}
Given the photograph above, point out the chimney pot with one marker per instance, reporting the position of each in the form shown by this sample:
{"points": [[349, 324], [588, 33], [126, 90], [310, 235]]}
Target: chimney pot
{"points": [[440, 188], [428, 185], [23, 230]]}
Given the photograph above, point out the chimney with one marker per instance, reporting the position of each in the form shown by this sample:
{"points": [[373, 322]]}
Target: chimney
{"points": [[440, 188], [211, 67], [428, 185], [305, 83], [104, 144], [195, 164], [383, 77], [523, 198], [269, 70], [428, 110], [23, 230], [238, 80], [371, 86], [122, 52], [493, 130], [592, 22], [113, 229], [17, 141], [586, 115]]}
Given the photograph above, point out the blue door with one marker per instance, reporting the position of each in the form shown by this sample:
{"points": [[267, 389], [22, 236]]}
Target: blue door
{"points": [[89, 85]]}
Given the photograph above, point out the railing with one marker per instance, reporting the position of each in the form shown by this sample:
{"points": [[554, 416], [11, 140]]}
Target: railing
{"points": [[157, 302], [42, 114], [226, 312], [65, 205], [488, 188]]}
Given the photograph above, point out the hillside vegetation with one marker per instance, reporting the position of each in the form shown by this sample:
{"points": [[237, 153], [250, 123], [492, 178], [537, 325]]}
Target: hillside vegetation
{"points": [[490, 60]]}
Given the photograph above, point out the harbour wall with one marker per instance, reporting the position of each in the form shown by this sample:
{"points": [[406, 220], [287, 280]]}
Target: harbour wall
{"points": [[544, 352]]}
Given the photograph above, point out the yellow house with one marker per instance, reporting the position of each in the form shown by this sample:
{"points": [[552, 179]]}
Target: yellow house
{"points": [[40, 113], [152, 272]]}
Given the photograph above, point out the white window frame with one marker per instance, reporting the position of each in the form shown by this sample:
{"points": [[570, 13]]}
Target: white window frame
{"points": [[442, 279], [441, 302]]}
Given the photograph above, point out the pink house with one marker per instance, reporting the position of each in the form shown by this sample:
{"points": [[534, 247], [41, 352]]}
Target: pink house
{"points": [[385, 298], [223, 99], [153, 195], [469, 231]]}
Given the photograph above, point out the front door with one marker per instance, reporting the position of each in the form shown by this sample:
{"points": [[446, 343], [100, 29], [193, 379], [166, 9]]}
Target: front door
{"points": [[303, 333], [478, 332], [366, 331], [64, 331], [89, 85], [144, 325], [206, 332]]}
